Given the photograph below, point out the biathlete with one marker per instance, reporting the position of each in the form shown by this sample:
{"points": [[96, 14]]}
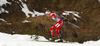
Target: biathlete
{"points": [[57, 26]]}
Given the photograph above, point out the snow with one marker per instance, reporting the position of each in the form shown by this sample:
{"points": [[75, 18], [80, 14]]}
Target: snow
{"points": [[4, 21], [2, 2], [75, 13], [27, 12], [25, 9], [24, 40], [99, 0], [2, 10], [25, 21], [38, 13], [25, 0]]}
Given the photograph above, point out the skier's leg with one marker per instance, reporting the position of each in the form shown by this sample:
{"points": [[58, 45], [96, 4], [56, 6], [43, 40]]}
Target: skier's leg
{"points": [[52, 30], [58, 33], [52, 33]]}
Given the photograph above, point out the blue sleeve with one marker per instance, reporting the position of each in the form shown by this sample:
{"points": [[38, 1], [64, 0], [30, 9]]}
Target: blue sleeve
{"points": [[61, 18]]}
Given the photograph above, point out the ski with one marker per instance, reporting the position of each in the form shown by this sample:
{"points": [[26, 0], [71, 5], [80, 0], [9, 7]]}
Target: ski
{"points": [[52, 41]]}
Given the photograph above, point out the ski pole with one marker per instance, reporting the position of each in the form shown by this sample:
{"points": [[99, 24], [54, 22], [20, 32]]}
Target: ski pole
{"points": [[76, 26], [83, 29]]}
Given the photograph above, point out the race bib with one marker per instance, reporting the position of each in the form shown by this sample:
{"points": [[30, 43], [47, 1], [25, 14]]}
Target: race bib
{"points": [[57, 25]]}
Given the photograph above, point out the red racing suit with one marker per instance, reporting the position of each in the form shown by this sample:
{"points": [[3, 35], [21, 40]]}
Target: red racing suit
{"points": [[57, 26]]}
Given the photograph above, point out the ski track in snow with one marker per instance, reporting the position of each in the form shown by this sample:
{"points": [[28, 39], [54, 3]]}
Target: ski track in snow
{"points": [[24, 40]]}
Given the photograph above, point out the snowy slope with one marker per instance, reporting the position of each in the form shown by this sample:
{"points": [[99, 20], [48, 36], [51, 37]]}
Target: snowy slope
{"points": [[24, 40]]}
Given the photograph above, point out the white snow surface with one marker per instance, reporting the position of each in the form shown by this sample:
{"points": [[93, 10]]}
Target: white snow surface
{"points": [[25, 21], [3, 10], [24, 40], [2, 2], [75, 13], [25, 9], [27, 12], [4, 21]]}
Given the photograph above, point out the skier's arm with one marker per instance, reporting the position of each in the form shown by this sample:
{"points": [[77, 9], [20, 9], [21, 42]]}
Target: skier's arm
{"points": [[63, 18]]}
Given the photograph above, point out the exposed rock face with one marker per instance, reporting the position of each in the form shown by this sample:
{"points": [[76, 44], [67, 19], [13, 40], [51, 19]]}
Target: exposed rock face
{"points": [[89, 11]]}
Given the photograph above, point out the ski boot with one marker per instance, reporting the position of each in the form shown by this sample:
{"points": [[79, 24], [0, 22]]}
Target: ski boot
{"points": [[60, 40], [52, 39]]}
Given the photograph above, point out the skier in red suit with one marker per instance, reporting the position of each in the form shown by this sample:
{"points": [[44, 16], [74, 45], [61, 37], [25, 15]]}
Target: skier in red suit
{"points": [[57, 26]]}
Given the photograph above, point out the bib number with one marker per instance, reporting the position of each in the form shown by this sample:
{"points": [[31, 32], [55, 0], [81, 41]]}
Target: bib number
{"points": [[57, 25]]}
